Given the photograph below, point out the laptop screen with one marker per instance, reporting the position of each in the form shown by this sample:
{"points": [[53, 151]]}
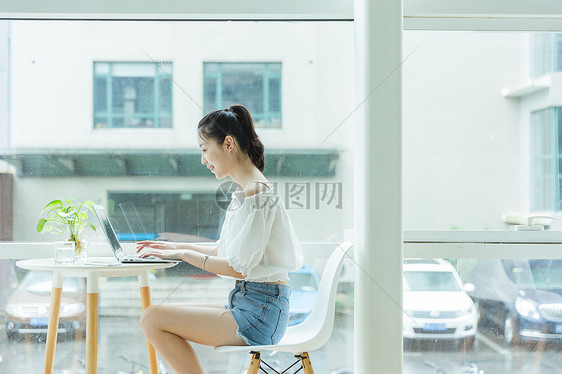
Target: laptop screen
{"points": [[109, 232]]}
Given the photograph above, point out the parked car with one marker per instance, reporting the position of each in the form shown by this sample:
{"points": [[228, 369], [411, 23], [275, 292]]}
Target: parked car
{"points": [[522, 298], [304, 289], [27, 309], [436, 304]]}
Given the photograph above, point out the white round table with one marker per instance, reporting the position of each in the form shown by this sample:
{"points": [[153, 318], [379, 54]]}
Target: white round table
{"points": [[93, 269]]}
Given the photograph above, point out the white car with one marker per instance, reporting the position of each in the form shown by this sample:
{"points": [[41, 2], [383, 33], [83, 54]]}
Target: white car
{"points": [[436, 304]]}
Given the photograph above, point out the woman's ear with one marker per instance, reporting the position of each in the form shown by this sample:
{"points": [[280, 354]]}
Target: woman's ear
{"points": [[229, 143]]}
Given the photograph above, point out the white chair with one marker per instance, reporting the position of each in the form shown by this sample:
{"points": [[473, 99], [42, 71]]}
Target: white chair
{"points": [[315, 331]]}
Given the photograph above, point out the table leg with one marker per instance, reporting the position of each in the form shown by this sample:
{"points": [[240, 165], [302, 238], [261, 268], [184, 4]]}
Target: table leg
{"points": [[145, 301], [52, 329], [92, 324]]}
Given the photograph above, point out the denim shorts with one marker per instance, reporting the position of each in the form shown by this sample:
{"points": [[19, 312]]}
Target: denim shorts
{"points": [[261, 311]]}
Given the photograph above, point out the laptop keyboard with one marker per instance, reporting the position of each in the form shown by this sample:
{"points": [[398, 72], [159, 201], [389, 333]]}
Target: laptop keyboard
{"points": [[143, 258]]}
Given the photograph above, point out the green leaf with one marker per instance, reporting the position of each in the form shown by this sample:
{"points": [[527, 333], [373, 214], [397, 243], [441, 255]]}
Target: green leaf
{"points": [[55, 204], [41, 224], [89, 205], [92, 226]]}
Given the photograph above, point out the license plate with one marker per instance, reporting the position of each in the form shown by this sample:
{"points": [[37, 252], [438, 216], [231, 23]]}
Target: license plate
{"points": [[558, 328], [434, 327], [39, 321]]}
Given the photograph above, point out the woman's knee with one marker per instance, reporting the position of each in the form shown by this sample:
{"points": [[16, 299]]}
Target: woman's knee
{"points": [[149, 317]]}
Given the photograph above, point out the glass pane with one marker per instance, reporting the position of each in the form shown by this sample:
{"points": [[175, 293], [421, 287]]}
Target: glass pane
{"points": [[131, 153], [275, 95], [145, 95], [545, 154], [450, 152], [133, 95], [501, 309], [101, 122], [542, 54], [243, 84], [100, 95], [165, 98]]}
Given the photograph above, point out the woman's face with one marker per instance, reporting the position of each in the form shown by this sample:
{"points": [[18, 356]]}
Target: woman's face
{"points": [[215, 157]]}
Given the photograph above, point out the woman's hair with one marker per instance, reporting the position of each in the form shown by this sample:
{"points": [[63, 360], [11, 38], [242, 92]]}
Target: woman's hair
{"points": [[237, 122]]}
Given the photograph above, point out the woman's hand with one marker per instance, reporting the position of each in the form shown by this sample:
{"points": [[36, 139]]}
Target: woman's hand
{"points": [[150, 244], [166, 254]]}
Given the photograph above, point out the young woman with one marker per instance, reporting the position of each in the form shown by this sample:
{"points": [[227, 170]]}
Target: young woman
{"points": [[257, 246]]}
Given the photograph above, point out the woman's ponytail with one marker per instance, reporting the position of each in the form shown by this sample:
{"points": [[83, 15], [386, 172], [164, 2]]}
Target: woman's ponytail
{"points": [[235, 121], [255, 148]]}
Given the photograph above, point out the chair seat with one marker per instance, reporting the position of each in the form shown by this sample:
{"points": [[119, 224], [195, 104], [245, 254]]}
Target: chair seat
{"points": [[295, 340]]}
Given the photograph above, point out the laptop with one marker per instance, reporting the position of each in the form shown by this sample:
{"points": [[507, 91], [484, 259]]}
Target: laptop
{"points": [[136, 227], [114, 242]]}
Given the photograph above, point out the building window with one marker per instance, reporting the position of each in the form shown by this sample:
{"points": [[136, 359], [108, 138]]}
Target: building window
{"points": [[546, 127], [257, 86], [547, 54], [132, 94]]}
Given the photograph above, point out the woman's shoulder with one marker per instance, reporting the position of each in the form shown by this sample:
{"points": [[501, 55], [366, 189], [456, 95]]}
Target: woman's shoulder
{"points": [[264, 202], [256, 186]]}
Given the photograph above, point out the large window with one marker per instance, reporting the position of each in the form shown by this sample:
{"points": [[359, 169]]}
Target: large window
{"points": [[464, 163], [132, 94], [254, 85], [152, 182], [547, 54], [545, 143]]}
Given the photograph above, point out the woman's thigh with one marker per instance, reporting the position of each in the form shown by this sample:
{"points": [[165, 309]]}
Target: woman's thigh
{"points": [[208, 324]]}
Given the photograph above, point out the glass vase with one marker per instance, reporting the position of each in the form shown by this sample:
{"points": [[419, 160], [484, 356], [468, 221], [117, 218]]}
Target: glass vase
{"points": [[80, 251]]}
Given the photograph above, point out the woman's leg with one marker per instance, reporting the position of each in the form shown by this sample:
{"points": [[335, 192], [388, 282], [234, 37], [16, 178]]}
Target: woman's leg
{"points": [[168, 327]]}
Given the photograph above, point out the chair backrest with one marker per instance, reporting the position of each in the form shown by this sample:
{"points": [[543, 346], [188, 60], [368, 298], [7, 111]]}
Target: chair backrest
{"points": [[320, 322]]}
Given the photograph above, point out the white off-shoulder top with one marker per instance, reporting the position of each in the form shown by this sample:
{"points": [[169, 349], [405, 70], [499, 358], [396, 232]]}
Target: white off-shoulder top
{"points": [[258, 239]]}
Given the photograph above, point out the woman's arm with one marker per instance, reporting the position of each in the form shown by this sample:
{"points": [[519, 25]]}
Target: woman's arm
{"points": [[213, 264], [203, 249]]}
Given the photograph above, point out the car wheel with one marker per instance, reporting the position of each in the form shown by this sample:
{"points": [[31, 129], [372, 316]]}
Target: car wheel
{"points": [[480, 315], [12, 336], [511, 329]]}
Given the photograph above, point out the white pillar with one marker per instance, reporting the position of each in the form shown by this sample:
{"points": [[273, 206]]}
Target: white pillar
{"points": [[378, 188]]}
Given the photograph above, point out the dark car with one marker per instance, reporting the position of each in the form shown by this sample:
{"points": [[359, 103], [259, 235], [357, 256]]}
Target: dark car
{"points": [[27, 309], [304, 289], [521, 297]]}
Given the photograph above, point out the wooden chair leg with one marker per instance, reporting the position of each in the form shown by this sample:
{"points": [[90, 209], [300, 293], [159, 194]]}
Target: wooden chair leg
{"points": [[306, 365], [255, 362]]}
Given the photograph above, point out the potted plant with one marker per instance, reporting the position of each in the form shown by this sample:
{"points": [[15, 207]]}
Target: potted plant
{"points": [[67, 217]]}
